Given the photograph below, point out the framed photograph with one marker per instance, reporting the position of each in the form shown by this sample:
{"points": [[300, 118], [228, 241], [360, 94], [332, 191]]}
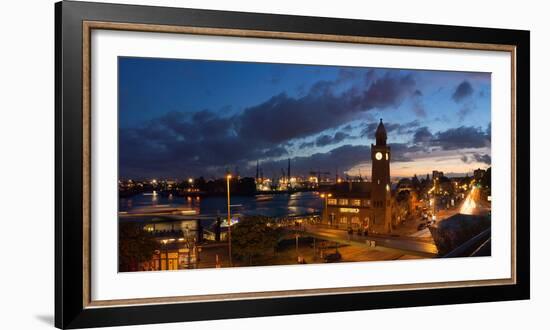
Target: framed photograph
{"points": [[216, 164]]}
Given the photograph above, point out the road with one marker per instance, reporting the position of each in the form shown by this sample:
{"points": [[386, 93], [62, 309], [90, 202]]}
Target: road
{"points": [[423, 247], [475, 204]]}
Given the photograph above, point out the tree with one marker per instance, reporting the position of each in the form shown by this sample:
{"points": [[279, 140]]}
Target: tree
{"points": [[252, 237], [403, 206], [135, 245]]}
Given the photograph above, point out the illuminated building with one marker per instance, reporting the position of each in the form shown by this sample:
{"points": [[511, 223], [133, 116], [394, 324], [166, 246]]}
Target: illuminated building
{"points": [[365, 205]]}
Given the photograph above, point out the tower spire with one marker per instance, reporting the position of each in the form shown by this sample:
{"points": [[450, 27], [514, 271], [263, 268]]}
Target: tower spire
{"points": [[381, 135]]}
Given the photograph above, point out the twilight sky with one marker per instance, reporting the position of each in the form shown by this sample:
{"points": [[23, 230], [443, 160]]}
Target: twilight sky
{"points": [[190, 118]]}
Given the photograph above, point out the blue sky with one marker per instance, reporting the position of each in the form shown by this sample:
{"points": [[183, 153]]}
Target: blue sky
{"points": [[180, 118]]}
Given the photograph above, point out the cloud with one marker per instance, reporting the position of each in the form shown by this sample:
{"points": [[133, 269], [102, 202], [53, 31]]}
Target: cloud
{"points": [[482, 158], [306, 145], [388, 91], [207, 142], [325, 139], [418, 104], [283, 117], [341, 158], [462, 91], [462, 137], [348, 127], [454, 138], [464, 111], [476, 157], [369, 129], [422, 135], [181, 141]]}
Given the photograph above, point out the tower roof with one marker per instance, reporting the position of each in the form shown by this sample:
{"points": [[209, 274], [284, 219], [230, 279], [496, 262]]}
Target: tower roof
{"points": [[381, 135]]}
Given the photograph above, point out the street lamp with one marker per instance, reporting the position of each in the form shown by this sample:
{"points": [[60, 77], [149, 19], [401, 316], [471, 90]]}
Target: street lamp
{"points": [[229, 221], [325, 197], [164, 242]]}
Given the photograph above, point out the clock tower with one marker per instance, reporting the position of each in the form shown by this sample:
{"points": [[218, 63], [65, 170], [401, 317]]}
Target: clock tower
{"points": [[381, 185]]}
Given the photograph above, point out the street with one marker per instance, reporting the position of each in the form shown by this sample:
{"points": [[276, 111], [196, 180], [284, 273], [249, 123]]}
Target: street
{"points": [[406, 245], [475, 204]]}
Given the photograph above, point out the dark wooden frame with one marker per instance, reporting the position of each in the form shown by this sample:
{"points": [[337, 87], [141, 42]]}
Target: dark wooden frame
{"points": [[72, 305]]}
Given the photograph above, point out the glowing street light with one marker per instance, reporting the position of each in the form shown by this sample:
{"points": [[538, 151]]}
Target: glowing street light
{"points": [[325, 197], [164, 243]]}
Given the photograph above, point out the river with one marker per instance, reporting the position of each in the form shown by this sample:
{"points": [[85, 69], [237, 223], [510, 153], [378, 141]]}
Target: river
{"points": [[272, 205]]}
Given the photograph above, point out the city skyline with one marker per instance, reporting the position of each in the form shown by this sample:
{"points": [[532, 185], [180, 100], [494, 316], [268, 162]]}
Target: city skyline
{"points": [[191, 118]]}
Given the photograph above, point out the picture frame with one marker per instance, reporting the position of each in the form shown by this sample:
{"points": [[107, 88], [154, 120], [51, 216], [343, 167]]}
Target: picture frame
{"points": [[74, 304]]}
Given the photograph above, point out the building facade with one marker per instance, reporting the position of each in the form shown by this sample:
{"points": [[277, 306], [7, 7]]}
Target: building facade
{"points": [[364, 206]]}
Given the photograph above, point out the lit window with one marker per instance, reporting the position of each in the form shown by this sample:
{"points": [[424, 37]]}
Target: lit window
{"points": [[366, 202], [356, 202], [331, 201], [355, 220], [387, 156], [343, 202], [343, 219]]}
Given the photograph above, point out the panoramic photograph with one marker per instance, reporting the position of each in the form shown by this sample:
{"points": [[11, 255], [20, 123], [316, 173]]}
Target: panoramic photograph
{"points": [[238, 164]]}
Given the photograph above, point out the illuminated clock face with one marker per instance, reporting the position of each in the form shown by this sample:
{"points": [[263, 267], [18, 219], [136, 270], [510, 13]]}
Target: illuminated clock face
{"points": [[378, 155]]}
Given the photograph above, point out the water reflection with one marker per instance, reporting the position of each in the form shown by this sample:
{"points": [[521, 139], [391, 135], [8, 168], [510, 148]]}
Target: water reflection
{"points": [[279, 205]]}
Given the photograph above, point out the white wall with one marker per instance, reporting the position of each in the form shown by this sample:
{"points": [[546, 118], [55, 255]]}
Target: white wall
{"points": [[27, 156]]}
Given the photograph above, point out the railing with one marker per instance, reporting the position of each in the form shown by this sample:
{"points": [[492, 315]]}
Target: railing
{"points": [[472, 246]]}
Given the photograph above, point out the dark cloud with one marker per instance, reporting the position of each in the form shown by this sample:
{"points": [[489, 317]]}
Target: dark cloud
{"points": [[388, 91], [482, 158], [462, 91], [182, 142], [326, 139], [400, 151], [284, 118], [321, 108], [422, 135], [369, 129], [418, 104], [409, 127], [342, 158], [462, 137], [454, 138], [207, 142], [476, 157]]}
